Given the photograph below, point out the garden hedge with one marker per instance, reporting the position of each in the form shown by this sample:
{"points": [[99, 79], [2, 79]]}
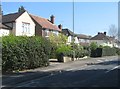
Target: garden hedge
{"points": [[105, 51], [19, 53], [117, 50]]}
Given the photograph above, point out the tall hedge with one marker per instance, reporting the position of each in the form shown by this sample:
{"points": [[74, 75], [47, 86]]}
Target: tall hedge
{"points": [[19, 53]]}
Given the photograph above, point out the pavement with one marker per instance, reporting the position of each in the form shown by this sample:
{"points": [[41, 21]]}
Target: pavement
{"points": [[90, 72]]}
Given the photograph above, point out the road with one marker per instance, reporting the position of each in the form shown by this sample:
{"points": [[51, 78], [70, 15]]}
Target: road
{"points": [[96, 72]]}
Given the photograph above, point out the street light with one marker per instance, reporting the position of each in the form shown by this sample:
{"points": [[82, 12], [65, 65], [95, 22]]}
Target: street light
{"points": [[73, 33]]}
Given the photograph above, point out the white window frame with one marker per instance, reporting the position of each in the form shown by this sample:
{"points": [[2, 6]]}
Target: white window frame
{"points": [[25, 28], [47, 32]]}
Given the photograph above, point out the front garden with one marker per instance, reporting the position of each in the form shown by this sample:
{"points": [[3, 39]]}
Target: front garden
{"points": [[21, 52]]}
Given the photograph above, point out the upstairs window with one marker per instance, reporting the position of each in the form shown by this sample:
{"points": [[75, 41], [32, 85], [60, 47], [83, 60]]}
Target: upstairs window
{"points": [[25, 28]]}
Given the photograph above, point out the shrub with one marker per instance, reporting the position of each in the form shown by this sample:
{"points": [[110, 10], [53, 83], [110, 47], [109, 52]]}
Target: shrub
{"points": [[63, 50], [53, 51], [87, 50], [79, 53], [93, 47], [19, 53], [56, 41]]}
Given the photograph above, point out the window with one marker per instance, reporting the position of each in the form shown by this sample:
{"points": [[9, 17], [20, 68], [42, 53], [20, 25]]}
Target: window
{"points": [[81, 40], [55, 32], [46, 33], [25, 28]]}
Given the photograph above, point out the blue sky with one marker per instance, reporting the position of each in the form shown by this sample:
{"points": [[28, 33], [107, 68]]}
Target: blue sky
{"points": [[89, 17]]}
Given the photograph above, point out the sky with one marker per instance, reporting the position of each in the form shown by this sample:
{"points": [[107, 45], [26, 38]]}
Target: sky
{"points": [[89, 17]]}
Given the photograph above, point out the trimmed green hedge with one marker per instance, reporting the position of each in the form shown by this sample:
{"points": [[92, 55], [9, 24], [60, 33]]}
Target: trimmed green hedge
{"points": [[105, 51], [117, 51], [19, 53]]}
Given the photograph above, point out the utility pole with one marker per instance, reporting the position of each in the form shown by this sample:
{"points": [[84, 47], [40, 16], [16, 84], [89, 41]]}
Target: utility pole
{"points": [[0, 44], [0, 14], [73, 34]]}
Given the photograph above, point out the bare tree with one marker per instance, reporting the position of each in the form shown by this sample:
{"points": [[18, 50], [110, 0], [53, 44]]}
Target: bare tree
{"points": [[113, 31]]}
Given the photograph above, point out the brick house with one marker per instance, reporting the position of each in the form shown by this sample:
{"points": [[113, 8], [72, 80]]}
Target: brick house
{"points": [[45, 27]]}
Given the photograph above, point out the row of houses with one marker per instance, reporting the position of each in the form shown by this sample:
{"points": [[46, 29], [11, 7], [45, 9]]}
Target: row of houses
{"points": [[85, 40], [23, 23]]}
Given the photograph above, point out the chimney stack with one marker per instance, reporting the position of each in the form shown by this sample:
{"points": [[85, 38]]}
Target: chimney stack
{"points": [[21, 9], [60, 26], [52, 19], [105, 33]]}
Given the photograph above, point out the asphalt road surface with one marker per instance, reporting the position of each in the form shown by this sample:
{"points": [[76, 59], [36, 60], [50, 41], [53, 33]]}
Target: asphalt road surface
{"points": [[100, 73]]}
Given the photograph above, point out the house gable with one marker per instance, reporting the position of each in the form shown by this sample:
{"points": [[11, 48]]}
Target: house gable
{"points": [[25, 19], [67, 32]]}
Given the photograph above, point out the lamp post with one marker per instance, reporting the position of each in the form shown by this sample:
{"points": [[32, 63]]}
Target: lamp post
{"points": [[73, 33]]}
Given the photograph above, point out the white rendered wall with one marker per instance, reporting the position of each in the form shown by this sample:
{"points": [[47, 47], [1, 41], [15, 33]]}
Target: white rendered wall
{"points": [[4, 32], [26, 19]]}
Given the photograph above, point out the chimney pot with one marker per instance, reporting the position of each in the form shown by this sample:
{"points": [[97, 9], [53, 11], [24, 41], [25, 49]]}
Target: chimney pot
{"points": [[105, 33], [52, 19], [98, 32]]}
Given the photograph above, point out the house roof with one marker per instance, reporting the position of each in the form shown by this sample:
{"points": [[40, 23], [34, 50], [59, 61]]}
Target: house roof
{"points": [[44, 23], [2, 26], [82, 36], [11, 17], [41, 21], [67, 31], [111, 38], [100, 36]]}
